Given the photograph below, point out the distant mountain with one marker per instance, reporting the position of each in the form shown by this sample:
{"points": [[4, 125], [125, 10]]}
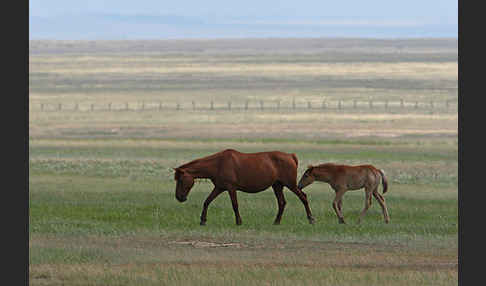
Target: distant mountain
{"points": [[143, 26]]}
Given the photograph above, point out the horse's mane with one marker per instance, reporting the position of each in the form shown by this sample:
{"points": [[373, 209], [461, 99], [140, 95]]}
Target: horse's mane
{"points": [[199, 160]]}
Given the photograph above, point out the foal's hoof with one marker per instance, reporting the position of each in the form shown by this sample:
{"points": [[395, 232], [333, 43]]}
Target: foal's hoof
{"points": [[341, 221], [311, 220], [202, 223], [276, 223]]}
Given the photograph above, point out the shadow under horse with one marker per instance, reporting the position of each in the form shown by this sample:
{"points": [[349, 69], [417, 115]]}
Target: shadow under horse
{"points": [[232, 171], [343, 178]]}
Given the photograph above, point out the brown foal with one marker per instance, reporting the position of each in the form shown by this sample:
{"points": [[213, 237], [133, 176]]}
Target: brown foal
{"points": [[343, 178]]}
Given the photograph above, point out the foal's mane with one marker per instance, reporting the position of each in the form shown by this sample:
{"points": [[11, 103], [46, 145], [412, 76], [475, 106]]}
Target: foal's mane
{"points": [[323, 165]]}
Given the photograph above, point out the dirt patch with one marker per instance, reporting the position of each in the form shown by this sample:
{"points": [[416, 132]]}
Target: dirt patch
{"points": [[203, 244]]}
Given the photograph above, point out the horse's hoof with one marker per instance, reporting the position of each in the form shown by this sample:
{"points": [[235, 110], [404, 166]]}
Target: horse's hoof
{"points": [[202, 223], [312, 220], [276, 223], [342, 222]]}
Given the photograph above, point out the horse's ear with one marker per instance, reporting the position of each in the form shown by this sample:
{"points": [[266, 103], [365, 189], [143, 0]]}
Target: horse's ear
{"points": [[177, 173], [310, 167]]}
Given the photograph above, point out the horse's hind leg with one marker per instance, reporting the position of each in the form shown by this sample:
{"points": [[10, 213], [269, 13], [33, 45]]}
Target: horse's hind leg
{"points": [[208, 200], [234, 202], [381, 201], [367, 204], [303, 198], [277, 189]]}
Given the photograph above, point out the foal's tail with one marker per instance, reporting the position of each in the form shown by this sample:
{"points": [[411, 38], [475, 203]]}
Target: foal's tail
{"points": [[383, 180]]}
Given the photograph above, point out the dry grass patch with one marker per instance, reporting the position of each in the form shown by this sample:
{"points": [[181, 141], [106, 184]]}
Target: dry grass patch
{"points": [[160, 260]]}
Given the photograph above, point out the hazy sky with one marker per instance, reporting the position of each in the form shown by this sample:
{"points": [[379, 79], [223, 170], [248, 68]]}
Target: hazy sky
{"points": [[358, 12], [425, 10]]}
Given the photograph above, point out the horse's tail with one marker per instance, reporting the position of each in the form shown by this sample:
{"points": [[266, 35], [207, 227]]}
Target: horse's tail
{"points": [[383, 180], [295, 159]]}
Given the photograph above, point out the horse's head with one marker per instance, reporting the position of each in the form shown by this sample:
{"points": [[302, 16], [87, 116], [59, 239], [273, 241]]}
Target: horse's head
{"points": [[307, 178], [185, 181]]}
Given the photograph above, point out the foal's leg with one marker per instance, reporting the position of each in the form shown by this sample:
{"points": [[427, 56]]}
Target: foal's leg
{"points": [[234, 202], [367, 204], [277, 189], [381, 201], [208, 200], [336, 205], [303, 198]]}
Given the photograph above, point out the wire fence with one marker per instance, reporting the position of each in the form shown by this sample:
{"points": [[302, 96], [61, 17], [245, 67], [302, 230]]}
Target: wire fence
{"points": [[255, 105]]}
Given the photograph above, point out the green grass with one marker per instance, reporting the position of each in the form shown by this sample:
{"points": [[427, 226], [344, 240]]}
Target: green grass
{"points": [[121, 231], [79, 205], [103, 211]]}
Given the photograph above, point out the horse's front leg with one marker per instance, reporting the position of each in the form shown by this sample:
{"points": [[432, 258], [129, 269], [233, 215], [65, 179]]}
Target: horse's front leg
{"points": [[234, 202], [337, 203], [208, 200]]}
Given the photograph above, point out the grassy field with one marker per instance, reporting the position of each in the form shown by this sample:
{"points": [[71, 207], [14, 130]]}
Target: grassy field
{"points": [[101, 190]]}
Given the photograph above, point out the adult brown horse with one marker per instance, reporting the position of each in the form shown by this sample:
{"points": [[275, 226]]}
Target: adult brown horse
{"points": [[343, 178], [232, 171]]}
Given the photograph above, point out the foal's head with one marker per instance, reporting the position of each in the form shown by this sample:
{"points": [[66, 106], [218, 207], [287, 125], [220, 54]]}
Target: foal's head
{"points": [[185, 181], [307, 178]]}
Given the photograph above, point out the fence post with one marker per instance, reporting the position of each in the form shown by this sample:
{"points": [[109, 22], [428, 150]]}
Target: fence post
{"points": [[386, 104], [92, 106], [416, 104], [126, 105], [432, 104], [402, 105], [42, 106], [278, 104], [309, 106], [212, 105], [76, 107], [371, 104], [323, 106], [246, 105], [109, 106], [143, 105], [193, 105], [293, 103], [59, 106], [229, 105], [339, 105], [160, 105], [261, 104], [447, 104], [355, 104], [178, 106]]}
